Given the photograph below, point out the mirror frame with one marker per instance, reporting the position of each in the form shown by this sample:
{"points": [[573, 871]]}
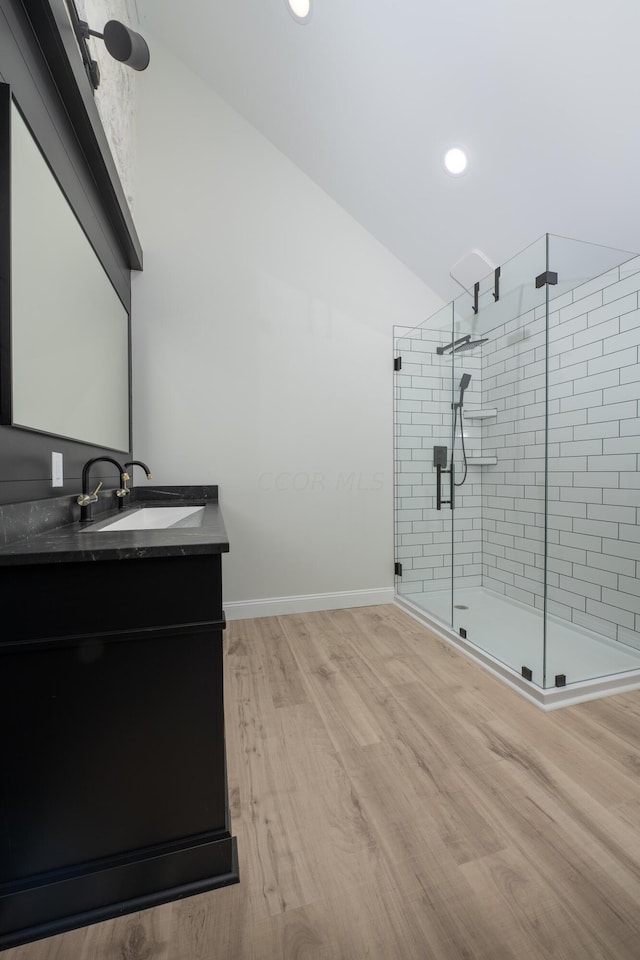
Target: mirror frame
{"points": [[9, 108], [5, 255]]}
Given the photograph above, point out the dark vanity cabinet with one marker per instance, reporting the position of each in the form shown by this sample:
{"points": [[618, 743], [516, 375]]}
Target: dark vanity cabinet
{"points": [[114, 792]]}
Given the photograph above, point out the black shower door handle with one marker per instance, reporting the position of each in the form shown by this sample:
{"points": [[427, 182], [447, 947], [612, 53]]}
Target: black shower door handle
{"points": [[452, 487]]}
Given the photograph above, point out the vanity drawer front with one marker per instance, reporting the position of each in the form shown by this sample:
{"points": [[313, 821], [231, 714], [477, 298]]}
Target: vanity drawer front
{"points": [[68, 599]]}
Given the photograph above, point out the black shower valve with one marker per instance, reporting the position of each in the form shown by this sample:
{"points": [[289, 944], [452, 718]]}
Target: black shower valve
{"points": [[440, 457]]}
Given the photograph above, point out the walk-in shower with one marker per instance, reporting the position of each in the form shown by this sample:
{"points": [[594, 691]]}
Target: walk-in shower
{"points": [[517, 490]]}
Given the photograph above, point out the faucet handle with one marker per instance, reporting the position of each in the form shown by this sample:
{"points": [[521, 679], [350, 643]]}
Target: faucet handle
{"points": [[124, 489], [84, 499]]}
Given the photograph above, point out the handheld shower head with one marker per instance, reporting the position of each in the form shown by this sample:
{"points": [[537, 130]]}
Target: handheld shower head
{"points": [[465, 380], [464, 383]]}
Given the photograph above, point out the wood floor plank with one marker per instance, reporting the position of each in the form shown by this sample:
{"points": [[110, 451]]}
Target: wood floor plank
{"points": [[134, 937], [522, 910], [589, 872], [394, 801], [281, 672], [347, 717], [569, 750], [216, 917], [609, 730]]}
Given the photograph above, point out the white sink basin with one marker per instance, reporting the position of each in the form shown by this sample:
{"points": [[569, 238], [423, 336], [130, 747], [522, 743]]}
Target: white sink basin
{"points": [[155, 518]]}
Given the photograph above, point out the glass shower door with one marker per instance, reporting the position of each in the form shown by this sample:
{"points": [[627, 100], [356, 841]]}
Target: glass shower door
{"points": [[499, 415], [423, 481]]}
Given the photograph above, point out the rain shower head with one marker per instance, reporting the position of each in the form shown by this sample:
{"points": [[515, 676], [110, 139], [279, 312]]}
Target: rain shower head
{"points": [[452, 347], [459, 346], [470, 345]]}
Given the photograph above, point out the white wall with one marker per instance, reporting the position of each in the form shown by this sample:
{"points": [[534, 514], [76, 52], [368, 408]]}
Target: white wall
{"points": [[262, 346]]}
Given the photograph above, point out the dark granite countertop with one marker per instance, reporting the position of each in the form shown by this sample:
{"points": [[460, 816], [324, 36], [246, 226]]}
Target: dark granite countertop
{"points": [[73, 541]]}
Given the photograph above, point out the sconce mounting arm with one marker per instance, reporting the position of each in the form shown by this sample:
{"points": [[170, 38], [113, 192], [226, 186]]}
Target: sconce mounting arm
{"points": [[122, 43]]}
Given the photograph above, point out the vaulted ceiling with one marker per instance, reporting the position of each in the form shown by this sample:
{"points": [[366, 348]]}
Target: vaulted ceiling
{"points": [[366, 98]]}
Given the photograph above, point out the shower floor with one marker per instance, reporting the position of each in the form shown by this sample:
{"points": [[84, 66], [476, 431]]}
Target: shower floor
{"points": [[511, 633]]}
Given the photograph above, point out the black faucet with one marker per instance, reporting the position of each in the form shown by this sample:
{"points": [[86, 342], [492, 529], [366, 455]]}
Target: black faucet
{"points": [[133, 463], [86, 499], [139, 463]]}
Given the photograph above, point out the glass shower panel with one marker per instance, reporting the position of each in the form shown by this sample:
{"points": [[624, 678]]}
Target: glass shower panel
{"points": [[423, 440], [526, 391], [593, 621], [499, 455]]}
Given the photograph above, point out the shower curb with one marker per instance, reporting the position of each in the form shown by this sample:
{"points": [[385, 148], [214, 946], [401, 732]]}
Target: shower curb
{"points": [[550, 699]]}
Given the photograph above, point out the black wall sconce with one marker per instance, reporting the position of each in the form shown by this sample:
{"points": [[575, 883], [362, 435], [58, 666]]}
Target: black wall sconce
{"points": [[123, 43]]}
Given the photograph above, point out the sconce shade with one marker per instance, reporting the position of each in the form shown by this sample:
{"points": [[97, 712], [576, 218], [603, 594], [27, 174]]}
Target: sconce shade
{"points": [[126, 45]]}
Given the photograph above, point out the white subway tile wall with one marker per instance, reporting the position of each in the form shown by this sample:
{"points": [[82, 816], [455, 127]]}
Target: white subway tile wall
{"points": [[594, 473], [425, 389]]}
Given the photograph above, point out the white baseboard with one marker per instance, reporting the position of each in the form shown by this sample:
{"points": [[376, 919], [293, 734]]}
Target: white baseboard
{"points": [[275, 606]]}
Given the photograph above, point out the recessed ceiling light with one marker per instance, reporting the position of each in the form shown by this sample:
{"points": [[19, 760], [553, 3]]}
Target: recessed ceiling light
{"points": [[300, 10], [455, 161]]}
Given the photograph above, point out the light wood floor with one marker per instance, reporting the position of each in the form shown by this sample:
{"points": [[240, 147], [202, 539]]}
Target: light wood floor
{"points": [[394, 801]]}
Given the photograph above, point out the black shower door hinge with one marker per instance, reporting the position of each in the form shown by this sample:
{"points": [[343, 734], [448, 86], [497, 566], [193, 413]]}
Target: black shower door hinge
{"points": [[547, 277], [398, 569], [397, 363], [496, 284]]}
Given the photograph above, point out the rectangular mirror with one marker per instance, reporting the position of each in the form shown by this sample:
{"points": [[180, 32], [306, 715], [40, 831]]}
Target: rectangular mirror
{"points": [[66, 372]]}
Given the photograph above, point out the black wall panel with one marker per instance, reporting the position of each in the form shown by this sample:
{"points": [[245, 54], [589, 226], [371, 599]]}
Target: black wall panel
{"points": [[57, 102]]}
